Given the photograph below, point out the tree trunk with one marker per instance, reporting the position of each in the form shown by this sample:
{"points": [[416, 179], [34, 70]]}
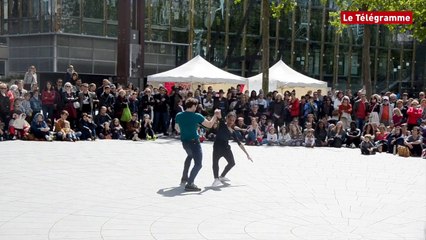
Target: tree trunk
{"points": [[366, 69], [265, 46]]}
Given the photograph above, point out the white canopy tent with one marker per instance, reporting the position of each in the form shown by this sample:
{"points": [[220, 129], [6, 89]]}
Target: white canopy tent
{"points": [[283, 77], [197, 71]]}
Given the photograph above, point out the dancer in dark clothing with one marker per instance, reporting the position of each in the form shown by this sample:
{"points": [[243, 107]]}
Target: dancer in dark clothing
{"points": [[221, 147]]}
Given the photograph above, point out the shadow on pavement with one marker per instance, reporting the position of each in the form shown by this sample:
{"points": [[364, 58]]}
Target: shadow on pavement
{"points": [[180, 191], [175, 191], [219, 188]]}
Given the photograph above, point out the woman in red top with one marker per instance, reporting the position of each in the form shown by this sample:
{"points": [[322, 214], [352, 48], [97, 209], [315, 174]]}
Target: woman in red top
{"points": [[48, 97], [397, 117], [294, 106], [345, 111], [414, 113]]}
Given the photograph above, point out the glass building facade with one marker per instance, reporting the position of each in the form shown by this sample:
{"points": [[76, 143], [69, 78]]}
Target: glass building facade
{"points": [[54, 33]]}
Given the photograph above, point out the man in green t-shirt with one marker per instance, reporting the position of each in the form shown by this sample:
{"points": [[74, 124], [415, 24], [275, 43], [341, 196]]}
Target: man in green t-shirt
{"points": [[187, 124]]}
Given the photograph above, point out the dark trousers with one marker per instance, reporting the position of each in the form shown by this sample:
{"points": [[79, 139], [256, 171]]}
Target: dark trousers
{"points": [[193, 149], [48, 112], [160, 121], [222, 151]]}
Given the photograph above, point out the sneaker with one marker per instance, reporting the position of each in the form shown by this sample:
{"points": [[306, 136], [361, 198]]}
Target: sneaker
{"points": [[190, 187], [148, 137], [224, 179], [216, 182], [154, 138]]}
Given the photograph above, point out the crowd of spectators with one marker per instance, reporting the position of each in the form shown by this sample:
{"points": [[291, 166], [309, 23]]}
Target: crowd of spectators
{"points": [[71, 110]]}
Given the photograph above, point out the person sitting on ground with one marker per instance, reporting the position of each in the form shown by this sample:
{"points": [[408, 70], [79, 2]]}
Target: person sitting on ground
{"points": [[106, 132], [309, 138], [133, 128], [321, 134], [284, 138], [87, 128], [337, 136], [59, 124], [367, 146], [254, 135], [18, 126], [40, 129], [67, 132], [147, 131], [271, 138], [395, 139], [117, 130], [102, 118], [381, 138], [241, 129], [296, 134], [414, 142], [353, 135]]}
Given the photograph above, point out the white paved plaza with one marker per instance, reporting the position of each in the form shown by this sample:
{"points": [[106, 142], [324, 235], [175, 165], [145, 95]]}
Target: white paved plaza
{"points": [[115, 190]]}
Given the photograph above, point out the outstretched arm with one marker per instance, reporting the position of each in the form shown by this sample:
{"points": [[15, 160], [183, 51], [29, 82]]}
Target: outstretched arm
{"points": [[245, 151]]}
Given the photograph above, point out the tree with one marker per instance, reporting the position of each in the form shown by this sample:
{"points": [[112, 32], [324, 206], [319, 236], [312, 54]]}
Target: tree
{"points": [[418, 30], [276, 8]]}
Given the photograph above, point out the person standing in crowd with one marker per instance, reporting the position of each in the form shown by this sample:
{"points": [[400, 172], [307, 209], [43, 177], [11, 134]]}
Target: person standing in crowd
{"points": [[36, 103], [221, 147], [187, 124], [31, 77], [101, 89], [48, 98], [221, 102], [68, 74], [386, 111], [4, 104], [70, 103], [87, 100], [161, 112], [360, 110], [414, 114], [276, 108], [345, 112], [107, 100]]}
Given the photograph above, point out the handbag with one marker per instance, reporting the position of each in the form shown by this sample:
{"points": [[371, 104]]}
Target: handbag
{"points": [[76, 105], [126, 116], [403, 151]]}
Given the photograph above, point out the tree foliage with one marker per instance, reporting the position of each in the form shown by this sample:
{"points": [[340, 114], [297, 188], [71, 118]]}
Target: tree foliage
{"points": [[278, 7], [417, 30], [418, 7]]}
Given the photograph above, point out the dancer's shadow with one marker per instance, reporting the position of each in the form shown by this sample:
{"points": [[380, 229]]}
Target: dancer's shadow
{"points": [[180, 190], [219, 188], [175, 191]]}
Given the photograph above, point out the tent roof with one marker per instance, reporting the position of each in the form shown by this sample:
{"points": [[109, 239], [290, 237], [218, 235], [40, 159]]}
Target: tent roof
{"points": [[197, 70], [281, 75]]}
